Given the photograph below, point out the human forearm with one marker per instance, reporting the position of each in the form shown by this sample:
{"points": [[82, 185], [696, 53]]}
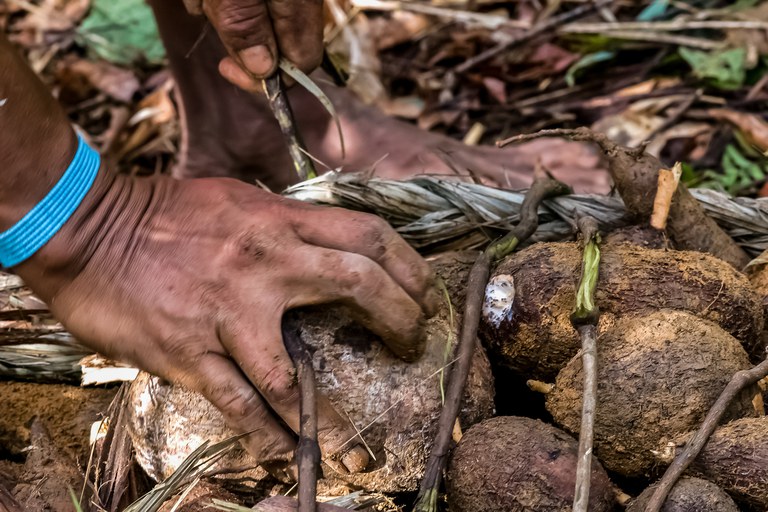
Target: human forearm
{"points": [[36, 140]]}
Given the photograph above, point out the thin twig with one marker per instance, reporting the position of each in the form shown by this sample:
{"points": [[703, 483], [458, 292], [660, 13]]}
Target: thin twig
{"points": [[491, 21], [278, 102], [661, 26], [308, 449], [536, 30], [584, 318], [675, 115], [738, 382], [543, 187], [663, 37]]}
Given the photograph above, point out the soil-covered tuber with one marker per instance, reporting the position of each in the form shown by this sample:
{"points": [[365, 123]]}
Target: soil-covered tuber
{"points": [[658, 375], [395, 404], [688, 495], [526, 320], [510, 464], [736, 459]]}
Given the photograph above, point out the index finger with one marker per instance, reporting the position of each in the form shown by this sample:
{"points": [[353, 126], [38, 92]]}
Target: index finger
{"points": [[370, 236]]}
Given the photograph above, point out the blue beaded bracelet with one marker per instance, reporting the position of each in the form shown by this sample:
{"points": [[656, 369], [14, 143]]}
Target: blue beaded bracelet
{"points": [[42, 222]]}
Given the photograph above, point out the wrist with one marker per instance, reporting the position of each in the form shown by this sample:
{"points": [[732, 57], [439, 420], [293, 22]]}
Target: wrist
{"points": [[109, 217]]}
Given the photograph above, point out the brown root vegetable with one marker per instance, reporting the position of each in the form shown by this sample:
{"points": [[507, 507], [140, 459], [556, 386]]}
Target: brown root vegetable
{"points": [[532, 333], [395, 404], [758, 276], [511, 463], [688, 495], [658, 375], [642, 236], [736, 459]]}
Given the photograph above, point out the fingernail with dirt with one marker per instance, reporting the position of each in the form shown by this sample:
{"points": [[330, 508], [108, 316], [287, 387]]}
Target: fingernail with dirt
{"points": [[355, 460], [433, 300], [258, 60]]}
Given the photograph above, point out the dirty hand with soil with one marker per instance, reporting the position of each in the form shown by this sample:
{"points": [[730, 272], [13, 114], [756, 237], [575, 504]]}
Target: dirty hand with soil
{"points": [[189, 279]]}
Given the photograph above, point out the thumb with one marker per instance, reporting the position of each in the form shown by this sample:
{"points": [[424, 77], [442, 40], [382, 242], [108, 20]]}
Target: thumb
{"points": [[245, 29]]}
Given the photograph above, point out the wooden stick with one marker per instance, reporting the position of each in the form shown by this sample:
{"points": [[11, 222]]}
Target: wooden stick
{"points": [[308, 449], [584, 318], [738, 382], [588, 334], [542, 188], [278, 102]]}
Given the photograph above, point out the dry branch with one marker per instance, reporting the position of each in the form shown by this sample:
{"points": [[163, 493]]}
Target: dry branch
{"points": [[308, 449], [278, 102], [738, 383]]}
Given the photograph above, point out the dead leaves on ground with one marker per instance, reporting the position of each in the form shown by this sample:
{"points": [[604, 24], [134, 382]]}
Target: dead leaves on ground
{"points": [[691, 90]]}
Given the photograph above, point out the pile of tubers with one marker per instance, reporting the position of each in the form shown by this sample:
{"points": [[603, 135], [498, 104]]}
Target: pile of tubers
{"points": [[674, 328]]}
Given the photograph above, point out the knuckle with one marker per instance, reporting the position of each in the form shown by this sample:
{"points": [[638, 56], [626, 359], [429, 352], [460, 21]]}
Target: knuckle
{"points": [[280, 385], [242, 24], [376, 233], [236, 402], [184, 350], [247, 250], [359, 272]]}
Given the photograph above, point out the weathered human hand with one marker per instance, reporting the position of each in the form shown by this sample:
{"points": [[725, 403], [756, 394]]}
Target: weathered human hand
{"points": [[189, 280], [257, 32]]}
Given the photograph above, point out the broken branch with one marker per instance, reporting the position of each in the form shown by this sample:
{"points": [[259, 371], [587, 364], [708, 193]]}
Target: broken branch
{"points": [[536, 30]]}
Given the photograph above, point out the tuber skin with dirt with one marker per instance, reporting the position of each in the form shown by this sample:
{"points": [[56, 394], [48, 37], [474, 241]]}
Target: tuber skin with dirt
{"points": [[736, 459], [688, 495], [658, 376], [532, 334], [511, 463], [395, 404]]}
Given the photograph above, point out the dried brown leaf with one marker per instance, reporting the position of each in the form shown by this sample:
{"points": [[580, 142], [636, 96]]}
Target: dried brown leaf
{"points": [[118, 83], [752, 127]]}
